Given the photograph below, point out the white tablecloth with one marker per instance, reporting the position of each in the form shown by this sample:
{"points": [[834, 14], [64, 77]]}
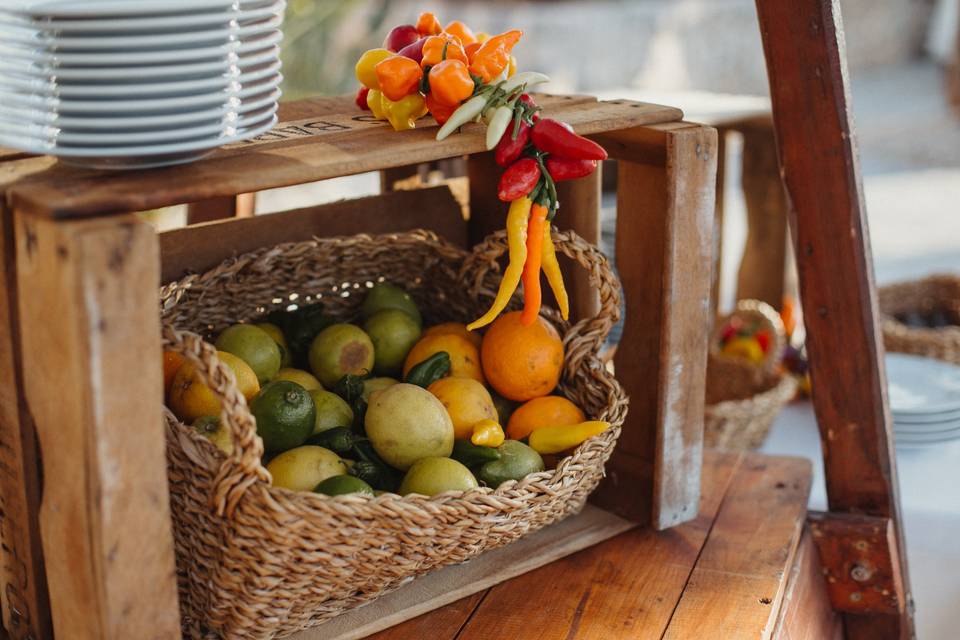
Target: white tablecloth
{"points": [[930, 499]]}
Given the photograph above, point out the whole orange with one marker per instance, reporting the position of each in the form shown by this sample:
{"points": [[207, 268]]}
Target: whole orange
{"points": [[522, 362], [548, 411], [466, 401], [464, 356], [455, 328]]}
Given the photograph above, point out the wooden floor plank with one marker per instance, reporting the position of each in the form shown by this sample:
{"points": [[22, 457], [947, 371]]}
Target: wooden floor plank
{"points": [[626, 587], [738, 583], [806, 613], [443, 623]]}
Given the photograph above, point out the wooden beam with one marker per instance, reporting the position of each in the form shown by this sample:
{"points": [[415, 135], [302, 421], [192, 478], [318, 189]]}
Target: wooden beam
{"points": [[580, 212], [204, 246], [23, 591], [91, 335], [665, 217], [806, 65], [806, 612], [240, 206]]}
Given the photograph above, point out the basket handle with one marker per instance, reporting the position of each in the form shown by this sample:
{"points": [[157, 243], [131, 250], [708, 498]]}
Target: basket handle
{"points": [[602, 276], [242, 467]]}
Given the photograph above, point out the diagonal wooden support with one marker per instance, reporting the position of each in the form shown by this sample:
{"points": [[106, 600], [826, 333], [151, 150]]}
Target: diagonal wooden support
{"points": [[803, 42]]}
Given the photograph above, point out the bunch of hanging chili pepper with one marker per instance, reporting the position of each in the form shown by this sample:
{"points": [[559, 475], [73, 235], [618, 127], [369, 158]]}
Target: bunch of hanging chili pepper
{"points": [[460, 77]]}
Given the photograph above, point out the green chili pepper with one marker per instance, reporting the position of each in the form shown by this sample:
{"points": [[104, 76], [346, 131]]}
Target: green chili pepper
{"points": [[386, 477], [430, 370], [340, 440], [472, 455]]}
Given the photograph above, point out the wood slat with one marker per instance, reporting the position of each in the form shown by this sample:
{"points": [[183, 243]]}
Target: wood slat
{"points": [[90, 331], [444, 622], [809, 87], [626, 587], [201, 247], [665, 217], [806, 612], [295, 152], [737, 587]]}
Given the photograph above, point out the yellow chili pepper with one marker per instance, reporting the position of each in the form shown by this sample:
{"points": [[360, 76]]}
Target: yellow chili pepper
{"points": [[557, 439], [517, 242], [487, 433], [402, 114], [366, 69], [375, 102], [551, 269]]}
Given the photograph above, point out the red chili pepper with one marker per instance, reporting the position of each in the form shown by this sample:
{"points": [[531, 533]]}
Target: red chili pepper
{"points": [[529, 101], [361, 98], [519, 180], [561, 169], [558, 138], [508, 149], [763, 339]]}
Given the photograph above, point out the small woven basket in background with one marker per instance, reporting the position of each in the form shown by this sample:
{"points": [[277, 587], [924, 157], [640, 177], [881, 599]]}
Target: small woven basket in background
{"points": [[744, 398], [933, 297], [256, 561]]}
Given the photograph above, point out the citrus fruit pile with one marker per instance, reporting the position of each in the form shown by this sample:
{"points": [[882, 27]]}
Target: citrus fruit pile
{"points": [[384, 404]]}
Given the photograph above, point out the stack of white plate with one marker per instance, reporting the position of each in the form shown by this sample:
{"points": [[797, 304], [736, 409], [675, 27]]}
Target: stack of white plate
{"points": [[924, 399], [137, 83]]}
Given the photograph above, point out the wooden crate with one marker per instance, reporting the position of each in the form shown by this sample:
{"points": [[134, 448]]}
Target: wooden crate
{"points": [[80, 330]]}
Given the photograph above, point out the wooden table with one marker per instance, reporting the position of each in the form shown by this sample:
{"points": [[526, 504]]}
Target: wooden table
{"points": [[744, 568]]}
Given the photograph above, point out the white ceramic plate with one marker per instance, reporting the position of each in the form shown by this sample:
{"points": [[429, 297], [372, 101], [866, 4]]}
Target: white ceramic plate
{"points": [[135, 151], [42, 41], [160, 56], [929, 427], [925, 418], [193, 70], [13, 83], [140, 121], [190, 19], [233, 94], [56, 137], [100, 8], [919, 385]]}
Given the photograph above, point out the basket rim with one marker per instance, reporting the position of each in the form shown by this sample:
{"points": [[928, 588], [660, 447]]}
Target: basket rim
{"points": [[786, 386]]}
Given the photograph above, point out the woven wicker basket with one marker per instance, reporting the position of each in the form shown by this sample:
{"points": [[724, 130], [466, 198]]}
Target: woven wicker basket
{"points": [[255, 561], [743, 399], [935, 294]]}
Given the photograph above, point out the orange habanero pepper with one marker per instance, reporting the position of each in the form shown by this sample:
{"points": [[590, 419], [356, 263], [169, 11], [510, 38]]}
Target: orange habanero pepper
{"points": [[493, 56], [442, 47], [428, 25], [450, 82], [399, 76], [462, 31], [471, 50]]}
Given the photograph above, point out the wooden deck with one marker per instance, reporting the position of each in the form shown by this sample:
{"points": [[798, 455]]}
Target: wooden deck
{"points": [[744, 568]]}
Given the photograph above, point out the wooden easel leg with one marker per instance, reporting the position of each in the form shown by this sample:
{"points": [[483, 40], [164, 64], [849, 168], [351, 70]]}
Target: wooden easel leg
{"points": [[26, 609], [808, 84], [763, 268], [91, 343], [665, 218], [718, 223], [242, 205]]}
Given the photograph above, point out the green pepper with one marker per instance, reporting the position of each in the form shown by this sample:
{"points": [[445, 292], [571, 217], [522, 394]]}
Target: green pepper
{"points": [[473, 455], [350, 388], [300, 327], [381, 475], [340, 440], [430, 370]]}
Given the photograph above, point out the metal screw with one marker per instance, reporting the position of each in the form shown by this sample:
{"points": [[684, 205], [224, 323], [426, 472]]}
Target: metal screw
{"points": [[860, 573], [856, 596]]}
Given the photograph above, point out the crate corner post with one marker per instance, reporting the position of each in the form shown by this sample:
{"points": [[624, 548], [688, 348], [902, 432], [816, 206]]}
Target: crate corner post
{"points": [[90, 331], [665, 219]]}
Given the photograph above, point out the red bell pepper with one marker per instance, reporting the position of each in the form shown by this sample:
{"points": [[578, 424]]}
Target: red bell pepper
{"points": [[361, 98], [509, 149], [519, 180], [561, 169], [558, 138]]}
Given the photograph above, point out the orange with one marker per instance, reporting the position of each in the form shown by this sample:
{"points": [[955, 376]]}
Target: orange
{"points": [[172, 361], [466, 401], [548, 411], [522, 362], [455, 328], [464, 356], [190, 398]]}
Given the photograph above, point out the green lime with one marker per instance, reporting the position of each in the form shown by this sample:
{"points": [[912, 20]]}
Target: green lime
{"points": [[301, 377], [384, 295], [285, 414], [516, 461], [342, 485], [303, 468], [393, 333], [332, 411], [211, 429], [277, 336], [430, 476], [254, 346], [376, 384], [338, 350]]}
